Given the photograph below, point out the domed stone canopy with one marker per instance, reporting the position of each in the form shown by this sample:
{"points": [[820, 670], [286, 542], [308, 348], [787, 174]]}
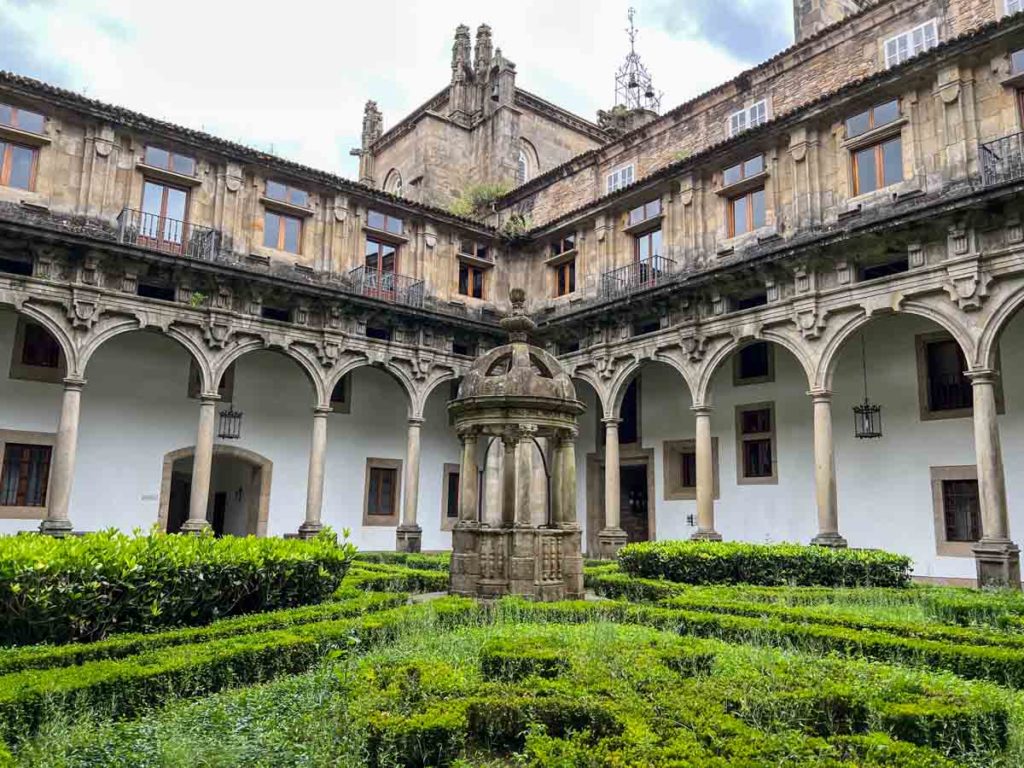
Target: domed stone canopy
{"points": [[517, 370]]}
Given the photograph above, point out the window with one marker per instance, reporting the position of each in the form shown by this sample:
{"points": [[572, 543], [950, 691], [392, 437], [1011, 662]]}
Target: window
{"points": [[957, 509], [463, 344], [644, 212], [680, 467], [385, 223], [754, 364], [379, 263], [879, 115], [341, 395], [619, 178], [1014, 6], [565, 278], [393, 182], [382, 491], [647, 246], [750, 301], [751, 117], [164, 209], [280, 314], [18, 165], [473, 248], [563, 245], [282, 232], [379, 332], [159, 291], [450, 497], [22, 119], [877, 166], [755, 442], [25, 474], [170, 161], [471, 281], [286, 194], [629, 412], [944, 389], [648, 325], [1017, 62], [746, 212], [742, 171], [36, 355], [885, 269], [522, 167], [908, 44]]}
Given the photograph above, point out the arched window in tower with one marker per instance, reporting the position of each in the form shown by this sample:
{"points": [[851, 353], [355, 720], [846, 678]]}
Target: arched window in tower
{"points": [[527, 163], [393, 182]]}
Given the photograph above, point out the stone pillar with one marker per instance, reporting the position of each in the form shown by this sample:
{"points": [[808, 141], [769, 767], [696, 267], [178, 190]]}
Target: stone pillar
{"points": [[996, 556], [705, 476], [825, 473], [409, 536], [508, 480], [539, 489], [468, 480], [526, 459], [202, 465], [315, 479], [490, 512], [62, 474], [555, 488], [566, 463], [611, 538]]}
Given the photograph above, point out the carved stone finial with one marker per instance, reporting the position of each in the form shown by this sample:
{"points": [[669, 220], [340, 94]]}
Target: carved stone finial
{"points": [[518, 324]]}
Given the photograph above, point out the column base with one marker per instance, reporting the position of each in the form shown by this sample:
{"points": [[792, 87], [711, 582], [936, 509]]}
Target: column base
{"points": [[58, 528], [310, 530], [833, 540], [195, 526], [706, 536], [998, 563], [408, 538], [610, 541]]}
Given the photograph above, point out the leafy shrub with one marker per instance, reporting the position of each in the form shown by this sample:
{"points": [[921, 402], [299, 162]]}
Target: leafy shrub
{"points": [[372, 577], [437, 562], [516, 659], [86, 587], [716, 562], [475, 201]]}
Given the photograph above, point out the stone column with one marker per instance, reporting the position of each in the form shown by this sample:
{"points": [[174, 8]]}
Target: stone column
{"points": [[611, 538], [825, 473], [62, 473], [468, 480], [526, 459], [202, 465], [566, 464], [508, 481], [409, 534], [705, 476], [315, 479], [996, 556], [555, 487], [490, 512], [539, 487]]}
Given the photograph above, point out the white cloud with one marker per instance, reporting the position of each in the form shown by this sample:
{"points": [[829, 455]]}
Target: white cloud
{"points": [[294, 76]]}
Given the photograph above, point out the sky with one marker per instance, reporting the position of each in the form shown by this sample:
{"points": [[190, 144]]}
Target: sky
{"points": [[292, 77]]}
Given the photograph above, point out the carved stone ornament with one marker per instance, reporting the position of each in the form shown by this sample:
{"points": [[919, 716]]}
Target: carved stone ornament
{"points": [[967, 285], [327, 353], [217, 332], [84, 311], [808, 318], [694, 345], [233, 178]]}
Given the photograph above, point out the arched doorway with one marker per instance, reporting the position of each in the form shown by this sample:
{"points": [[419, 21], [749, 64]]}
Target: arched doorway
{"points": [[239, 491]]}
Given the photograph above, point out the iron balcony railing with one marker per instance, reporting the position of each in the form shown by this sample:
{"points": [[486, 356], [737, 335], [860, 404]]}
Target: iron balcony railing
{"points": [[159, 233], [1003, 159], [389, 286], [637, 276]]}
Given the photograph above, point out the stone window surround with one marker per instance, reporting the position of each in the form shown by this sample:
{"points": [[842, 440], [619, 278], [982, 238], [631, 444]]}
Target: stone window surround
{"points": [[902, 127], [20, 370], [727, 243], [383, 521], [447, 523], [921, 341], [741, 479], [27, 438], [739, 382], [938, 474], [672, 450]]}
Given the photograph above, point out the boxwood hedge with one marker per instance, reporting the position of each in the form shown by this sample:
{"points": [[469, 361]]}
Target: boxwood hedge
{"points": [[86, 587], [718, 562]]}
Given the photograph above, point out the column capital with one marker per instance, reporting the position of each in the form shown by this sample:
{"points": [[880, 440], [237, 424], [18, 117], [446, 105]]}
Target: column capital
{"points": [[982, 376], [611, 421], [820, 395], [702, 410], [321, 410], [209, 398], [416, 421], [73, 383]]}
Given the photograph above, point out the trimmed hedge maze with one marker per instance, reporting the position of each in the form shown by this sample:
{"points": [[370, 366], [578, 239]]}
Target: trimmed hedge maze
{"points": [[650, 673]]}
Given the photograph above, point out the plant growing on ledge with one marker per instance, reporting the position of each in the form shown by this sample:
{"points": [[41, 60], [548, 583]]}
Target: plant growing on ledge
{"points": [[475, 201], [516, 227]]}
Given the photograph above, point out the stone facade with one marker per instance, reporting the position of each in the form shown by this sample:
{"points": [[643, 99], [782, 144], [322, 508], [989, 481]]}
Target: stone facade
{"points": [[940, 243]]}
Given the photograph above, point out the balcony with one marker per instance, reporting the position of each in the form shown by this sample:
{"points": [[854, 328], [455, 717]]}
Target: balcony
{"points": [[388, 286], [159, 233], [1002, 160], [634, 277]]}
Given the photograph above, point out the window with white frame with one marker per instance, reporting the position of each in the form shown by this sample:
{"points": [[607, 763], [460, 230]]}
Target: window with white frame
{"points": [[748, 118], [912, 42], [619, 178], [1014, 6]]}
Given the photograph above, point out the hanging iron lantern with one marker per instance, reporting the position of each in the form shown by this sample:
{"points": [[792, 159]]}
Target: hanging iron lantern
{"points": [[867, 417], [230, 423]]}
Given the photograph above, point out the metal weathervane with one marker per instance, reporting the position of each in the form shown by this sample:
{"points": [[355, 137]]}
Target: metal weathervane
{"points": [[633, 86]]}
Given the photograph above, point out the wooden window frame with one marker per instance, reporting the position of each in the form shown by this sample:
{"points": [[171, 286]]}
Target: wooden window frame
{"points": [[921, 342], [909, 35], [169, 168], [943, 546], [382, 521], [161, 242], [448, 523], [563, 245], [387, 218], [472, 272], [41, 439], [672, 453], [750, 224], [280, 246], [617, 174], [565, 273], [879, 158], [645, 215], [741, 438], [6, 153], [637, 238], [25, 372]]}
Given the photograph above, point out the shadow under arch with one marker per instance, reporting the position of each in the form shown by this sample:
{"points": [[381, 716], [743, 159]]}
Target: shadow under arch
{"points": [[195, 351], [257, 500], [722, 356], [987, 352], [69, 354], [408, 387], [310, 372]]}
